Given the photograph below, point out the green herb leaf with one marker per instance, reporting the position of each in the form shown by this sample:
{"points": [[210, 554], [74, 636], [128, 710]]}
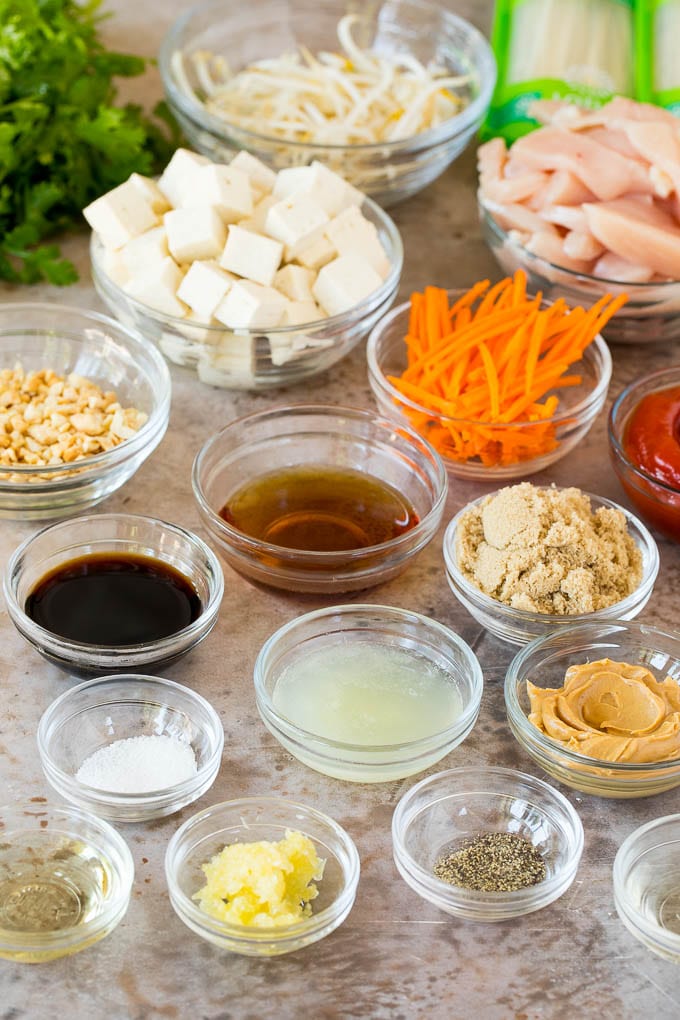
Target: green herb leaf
{"points": [[63, 142]]}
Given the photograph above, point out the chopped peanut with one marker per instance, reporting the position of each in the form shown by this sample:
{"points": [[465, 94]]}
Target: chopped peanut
{"points": [[48, 420]]}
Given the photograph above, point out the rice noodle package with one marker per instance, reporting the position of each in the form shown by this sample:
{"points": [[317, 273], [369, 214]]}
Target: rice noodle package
{"points": [[657, 47], [579, 50]]}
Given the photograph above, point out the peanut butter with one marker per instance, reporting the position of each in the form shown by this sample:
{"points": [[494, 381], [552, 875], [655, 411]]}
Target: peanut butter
{"points": [[612, 711]]}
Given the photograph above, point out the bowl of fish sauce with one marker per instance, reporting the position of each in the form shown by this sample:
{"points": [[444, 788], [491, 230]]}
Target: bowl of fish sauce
{"points": [[319, 499], [644, 447], [108, 593]]}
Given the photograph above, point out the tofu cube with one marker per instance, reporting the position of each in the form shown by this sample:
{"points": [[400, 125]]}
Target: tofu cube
{"points": [[157, 287], [230, 363], [196, 328], [351, 233], [295, 282], [344, 283], [285, 348], [327, 189], [195, 232], [251, 255], [260, 211], [179, 350], [262, 178], [297, 222], [227, 190], [299, 313], [249, 305], [114, 266], [317, 255], [177, 182], [120, 214], [204, 286], [153, 194], [139, 253]]}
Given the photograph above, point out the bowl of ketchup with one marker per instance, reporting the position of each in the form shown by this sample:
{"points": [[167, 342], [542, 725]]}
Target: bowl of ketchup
{"points": [[644, 444]]}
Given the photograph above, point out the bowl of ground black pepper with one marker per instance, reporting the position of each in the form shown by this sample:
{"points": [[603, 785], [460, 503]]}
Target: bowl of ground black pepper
{"points": [[109, 593], [486, 844], [527, 561]]}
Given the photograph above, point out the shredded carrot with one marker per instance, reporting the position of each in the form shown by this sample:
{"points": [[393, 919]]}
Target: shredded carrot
{"points": [[492, 360]]}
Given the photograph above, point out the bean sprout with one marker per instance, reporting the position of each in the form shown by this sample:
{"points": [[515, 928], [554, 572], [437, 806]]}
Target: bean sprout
{"points": [[354, 97]]}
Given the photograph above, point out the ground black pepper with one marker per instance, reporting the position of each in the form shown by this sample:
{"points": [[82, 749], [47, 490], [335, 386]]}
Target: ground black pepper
{"points": [[492, 862]]}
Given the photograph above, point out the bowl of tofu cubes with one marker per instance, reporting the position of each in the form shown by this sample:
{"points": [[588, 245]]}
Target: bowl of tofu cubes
{"points": [[253, 278]]}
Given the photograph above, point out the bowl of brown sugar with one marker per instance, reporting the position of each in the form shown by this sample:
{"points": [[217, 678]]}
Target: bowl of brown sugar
{"points": [[526, 561]]}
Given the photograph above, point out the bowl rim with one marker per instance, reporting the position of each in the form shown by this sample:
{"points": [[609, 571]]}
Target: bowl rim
{"points": [[330, 322], [545, 744], [653, 930], [72, 815], [602, 361], [637, 530], [161, 385], [616, 427], [601, 281], [404, 814], [186, 907], [394, 613], [486, 73], [303, 557], [81, 651], [76, 786]]}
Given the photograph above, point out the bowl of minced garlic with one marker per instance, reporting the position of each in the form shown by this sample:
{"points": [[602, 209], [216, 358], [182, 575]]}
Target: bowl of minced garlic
{"points": [[527, 561], [262, 876], [598, 707]]}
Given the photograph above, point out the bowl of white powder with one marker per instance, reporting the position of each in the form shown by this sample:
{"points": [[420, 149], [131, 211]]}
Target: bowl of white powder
{"points": [[130, 748]]}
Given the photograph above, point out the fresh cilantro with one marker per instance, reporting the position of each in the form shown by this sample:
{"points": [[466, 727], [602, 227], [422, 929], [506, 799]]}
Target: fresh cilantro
{"points": [[63, 142]]}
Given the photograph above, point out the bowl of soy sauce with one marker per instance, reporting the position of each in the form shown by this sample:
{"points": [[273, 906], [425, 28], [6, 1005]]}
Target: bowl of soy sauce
{"points": [[112, 592]]}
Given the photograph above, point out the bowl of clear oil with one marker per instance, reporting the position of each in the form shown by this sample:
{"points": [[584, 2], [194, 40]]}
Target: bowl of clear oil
{"points": [[65, 881], [367, 693]]}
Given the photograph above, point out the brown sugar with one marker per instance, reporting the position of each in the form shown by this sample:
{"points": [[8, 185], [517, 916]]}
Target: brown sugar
{"points": [[545, 551]]}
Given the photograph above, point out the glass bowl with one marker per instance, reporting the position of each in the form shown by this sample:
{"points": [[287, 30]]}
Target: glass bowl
{"points": [[518, 626], [545, 661], [277, 356], [449, 807], [112, 533], [65, 881], [578, 408], [328, 436], [657, 502], [250, 820], [389, 171], [98, 713], [651, 314], [647, 885], [365, 627], [39, 336]]}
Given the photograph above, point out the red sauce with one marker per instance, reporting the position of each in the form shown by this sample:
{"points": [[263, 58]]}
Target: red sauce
{"points": [[651, 442]]}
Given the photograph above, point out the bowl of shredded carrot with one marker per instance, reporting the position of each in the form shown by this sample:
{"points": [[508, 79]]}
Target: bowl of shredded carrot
{"points": [[500, 382]]}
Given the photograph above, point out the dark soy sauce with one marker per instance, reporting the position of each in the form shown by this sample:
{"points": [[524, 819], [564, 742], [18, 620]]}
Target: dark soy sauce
{"points": [[108, 599]]}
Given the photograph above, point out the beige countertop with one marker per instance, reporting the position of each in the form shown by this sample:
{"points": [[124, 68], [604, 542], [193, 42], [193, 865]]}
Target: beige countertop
{"points": [[395, 957]]}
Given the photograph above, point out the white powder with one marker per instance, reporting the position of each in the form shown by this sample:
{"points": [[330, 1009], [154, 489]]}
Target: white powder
{"points": [[139, 765]]}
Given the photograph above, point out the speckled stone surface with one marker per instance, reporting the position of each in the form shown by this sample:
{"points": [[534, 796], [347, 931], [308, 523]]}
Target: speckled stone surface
{"points": [[395, 957]]}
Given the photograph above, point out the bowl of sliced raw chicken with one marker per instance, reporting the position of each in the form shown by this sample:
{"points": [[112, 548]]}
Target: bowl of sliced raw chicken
{"points": [[589, 203]]}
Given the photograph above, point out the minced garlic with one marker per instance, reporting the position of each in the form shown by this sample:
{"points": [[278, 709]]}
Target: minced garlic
{"points": [[263, 884]]}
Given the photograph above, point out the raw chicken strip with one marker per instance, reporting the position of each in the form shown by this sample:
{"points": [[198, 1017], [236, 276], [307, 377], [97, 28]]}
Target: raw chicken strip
{"points": [[515, 189], [514, 216], [604, 171], [580, 244], [571, 217], [659, 144], [550, 247], [637, 232], [491, 159], [562, 189], [613, 267]]}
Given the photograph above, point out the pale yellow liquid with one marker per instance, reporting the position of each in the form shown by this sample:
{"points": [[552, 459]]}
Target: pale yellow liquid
{"points": [[367, 694]]}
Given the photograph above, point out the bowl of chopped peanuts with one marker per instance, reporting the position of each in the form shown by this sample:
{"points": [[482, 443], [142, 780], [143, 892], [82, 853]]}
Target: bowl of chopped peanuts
{"points": [[83, 402]]}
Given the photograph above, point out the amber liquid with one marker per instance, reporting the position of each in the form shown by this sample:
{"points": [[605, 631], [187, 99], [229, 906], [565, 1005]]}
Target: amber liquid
{"points": [[114, 599], [320, 509]]}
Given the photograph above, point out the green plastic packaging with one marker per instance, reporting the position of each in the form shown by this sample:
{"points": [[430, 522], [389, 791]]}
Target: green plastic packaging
{"points": [[657, 53], [581, 50]]}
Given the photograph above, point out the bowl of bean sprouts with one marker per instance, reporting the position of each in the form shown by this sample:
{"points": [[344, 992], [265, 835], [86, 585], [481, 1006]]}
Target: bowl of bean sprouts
{"points": [[386, 93]]}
